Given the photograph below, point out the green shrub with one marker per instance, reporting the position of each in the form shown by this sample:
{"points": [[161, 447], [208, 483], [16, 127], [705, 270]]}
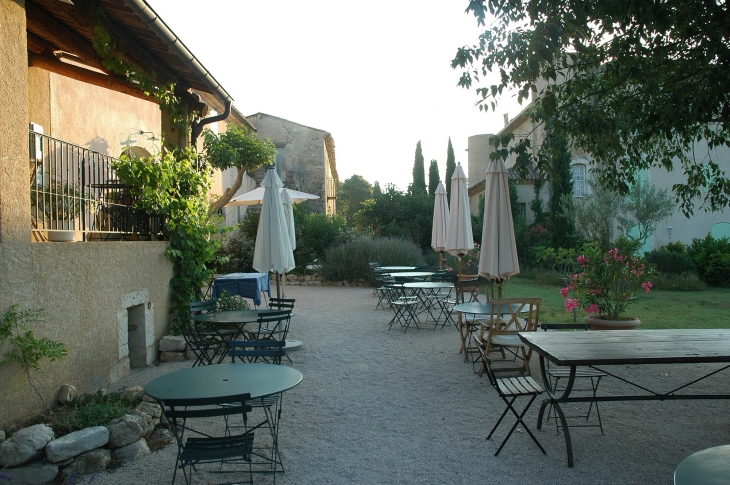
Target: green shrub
{"points": [[671, 262], [87, 410], [316, 233], [675, 247], [350, 260], [678, 282], [238, 246], [712, 257]]}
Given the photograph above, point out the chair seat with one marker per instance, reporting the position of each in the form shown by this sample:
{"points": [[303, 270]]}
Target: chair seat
{"points": [[507, 340], [519, 386], [215, 449]]}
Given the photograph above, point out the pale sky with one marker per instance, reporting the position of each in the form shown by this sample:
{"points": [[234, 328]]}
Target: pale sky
{"points": [[376, 75]]}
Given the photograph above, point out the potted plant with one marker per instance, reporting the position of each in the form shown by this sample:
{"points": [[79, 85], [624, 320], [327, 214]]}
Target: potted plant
{"points": [[61, 205], [607, 284]]}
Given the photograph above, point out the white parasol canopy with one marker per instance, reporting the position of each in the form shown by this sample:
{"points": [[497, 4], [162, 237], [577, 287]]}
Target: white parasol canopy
{"points": [[273, 251], [498, 258], [459, 238], [289, 214], [440, 219], [256, 197]]}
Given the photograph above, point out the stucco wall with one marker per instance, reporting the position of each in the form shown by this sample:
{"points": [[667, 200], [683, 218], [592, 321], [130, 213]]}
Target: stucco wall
{"points": [[13, 123], [99, 119], [84, 289]]}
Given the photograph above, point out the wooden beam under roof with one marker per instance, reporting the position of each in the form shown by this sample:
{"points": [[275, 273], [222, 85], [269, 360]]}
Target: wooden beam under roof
{"points": [[48, 28], [53, 64]]}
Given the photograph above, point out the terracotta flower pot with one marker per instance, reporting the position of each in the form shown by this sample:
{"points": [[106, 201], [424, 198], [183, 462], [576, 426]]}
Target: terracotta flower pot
{"points": [[599, 323]]}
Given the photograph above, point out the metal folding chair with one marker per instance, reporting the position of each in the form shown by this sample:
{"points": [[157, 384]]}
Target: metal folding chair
{"points": [[591, 376], [225, 449], [510, 389]]}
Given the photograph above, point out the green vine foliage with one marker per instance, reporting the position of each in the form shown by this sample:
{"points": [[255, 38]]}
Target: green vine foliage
{"points": [[171, 184], [26, 348], [162, 92]]}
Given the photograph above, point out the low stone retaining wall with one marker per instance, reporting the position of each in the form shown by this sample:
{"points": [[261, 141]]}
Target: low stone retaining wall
{"points": [[33, 455], [316, 280]]}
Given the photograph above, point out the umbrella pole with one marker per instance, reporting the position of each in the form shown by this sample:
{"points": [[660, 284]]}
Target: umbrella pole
{"points": [[441, 260], [278, 289]]}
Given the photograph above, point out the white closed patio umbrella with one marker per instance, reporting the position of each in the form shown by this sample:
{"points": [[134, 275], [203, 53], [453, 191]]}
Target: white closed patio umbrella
{"points": [[440, 222], [273, 251], [288, 204], [498, 258], [459, 238]]}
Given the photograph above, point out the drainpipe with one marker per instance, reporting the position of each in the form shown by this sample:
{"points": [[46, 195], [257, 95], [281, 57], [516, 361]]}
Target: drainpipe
{"points": [[156, 24]]}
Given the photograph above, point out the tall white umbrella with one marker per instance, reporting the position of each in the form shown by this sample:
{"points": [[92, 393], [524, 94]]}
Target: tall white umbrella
{"points": [[289, 214], [440, 221], [256, 196], [459, 238], [498, 258], [273, 251]]}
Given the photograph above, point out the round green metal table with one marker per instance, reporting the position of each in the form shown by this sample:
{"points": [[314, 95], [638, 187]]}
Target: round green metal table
{"points": [[224, 380], [706, 467]]}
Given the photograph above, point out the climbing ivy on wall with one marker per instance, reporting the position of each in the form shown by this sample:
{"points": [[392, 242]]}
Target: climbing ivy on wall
{"points": [[162, 92], [171, 184]]}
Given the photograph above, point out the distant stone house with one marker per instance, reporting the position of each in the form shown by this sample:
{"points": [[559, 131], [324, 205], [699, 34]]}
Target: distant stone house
{"points": [[676, 228], [63, 116], [305, 160]]}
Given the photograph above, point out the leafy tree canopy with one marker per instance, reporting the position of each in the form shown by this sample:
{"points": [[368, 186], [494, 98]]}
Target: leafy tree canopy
{"points": [[635, 83], [238, 148], [351, 194]]}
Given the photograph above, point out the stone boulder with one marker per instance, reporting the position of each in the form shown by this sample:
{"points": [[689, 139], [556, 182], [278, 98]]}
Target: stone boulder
{"points": [[75, 443], [172, 343], [136, 392], [127, 429], [24, 445], [68, 394], [37, 473], [172, 356], [90, 462], [133, 451]]}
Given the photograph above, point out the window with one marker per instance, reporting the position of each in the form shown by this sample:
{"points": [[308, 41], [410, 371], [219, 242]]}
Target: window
{"points": [[579, 180]]}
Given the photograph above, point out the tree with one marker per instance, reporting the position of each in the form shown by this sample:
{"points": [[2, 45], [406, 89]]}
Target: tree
{"points": [[419, 170], [637, 84], [433, 177], [238, 148], [595, 215], [377, 191], [562, 227], [395, 213], [450, 167], [644, 208], [351, 194]]}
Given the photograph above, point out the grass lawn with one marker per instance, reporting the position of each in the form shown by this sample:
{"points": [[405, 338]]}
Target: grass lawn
{"points": [[656, 309]]}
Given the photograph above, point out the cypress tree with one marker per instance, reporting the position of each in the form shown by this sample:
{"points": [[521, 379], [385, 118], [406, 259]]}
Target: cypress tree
{"points": [[433, 177], [450, 167], [419, 170], [377, 191], [562, 227]]}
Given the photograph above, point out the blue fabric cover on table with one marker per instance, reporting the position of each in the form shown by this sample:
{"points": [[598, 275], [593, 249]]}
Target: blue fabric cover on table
{"points": [[247, 285]]}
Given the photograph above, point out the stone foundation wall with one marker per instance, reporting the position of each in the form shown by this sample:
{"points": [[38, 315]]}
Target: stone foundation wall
{"points": [[316, 280]]}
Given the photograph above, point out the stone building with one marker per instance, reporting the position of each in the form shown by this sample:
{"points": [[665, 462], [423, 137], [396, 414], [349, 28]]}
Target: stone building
{"points": [[676, 228], [306, 159]]}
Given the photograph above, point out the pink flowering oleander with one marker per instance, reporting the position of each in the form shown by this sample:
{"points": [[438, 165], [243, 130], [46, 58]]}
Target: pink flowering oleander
{"points": [[609, 281]]}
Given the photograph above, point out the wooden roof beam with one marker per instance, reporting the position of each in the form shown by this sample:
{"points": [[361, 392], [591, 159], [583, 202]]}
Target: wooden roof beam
{"points": [[48, 28]]}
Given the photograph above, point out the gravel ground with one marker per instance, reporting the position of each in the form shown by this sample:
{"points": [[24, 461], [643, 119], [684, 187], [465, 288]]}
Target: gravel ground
{"points": [[386, 407]]}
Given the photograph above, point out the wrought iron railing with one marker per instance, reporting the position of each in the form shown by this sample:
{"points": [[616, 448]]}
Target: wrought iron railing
{"points": [[75, 190]]}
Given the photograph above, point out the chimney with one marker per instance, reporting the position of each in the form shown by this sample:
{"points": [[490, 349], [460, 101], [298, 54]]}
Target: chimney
{"points": [[506, 119]]}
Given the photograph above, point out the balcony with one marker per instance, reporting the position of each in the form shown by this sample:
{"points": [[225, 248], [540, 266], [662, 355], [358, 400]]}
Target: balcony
{"points": [[75, 194]]}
